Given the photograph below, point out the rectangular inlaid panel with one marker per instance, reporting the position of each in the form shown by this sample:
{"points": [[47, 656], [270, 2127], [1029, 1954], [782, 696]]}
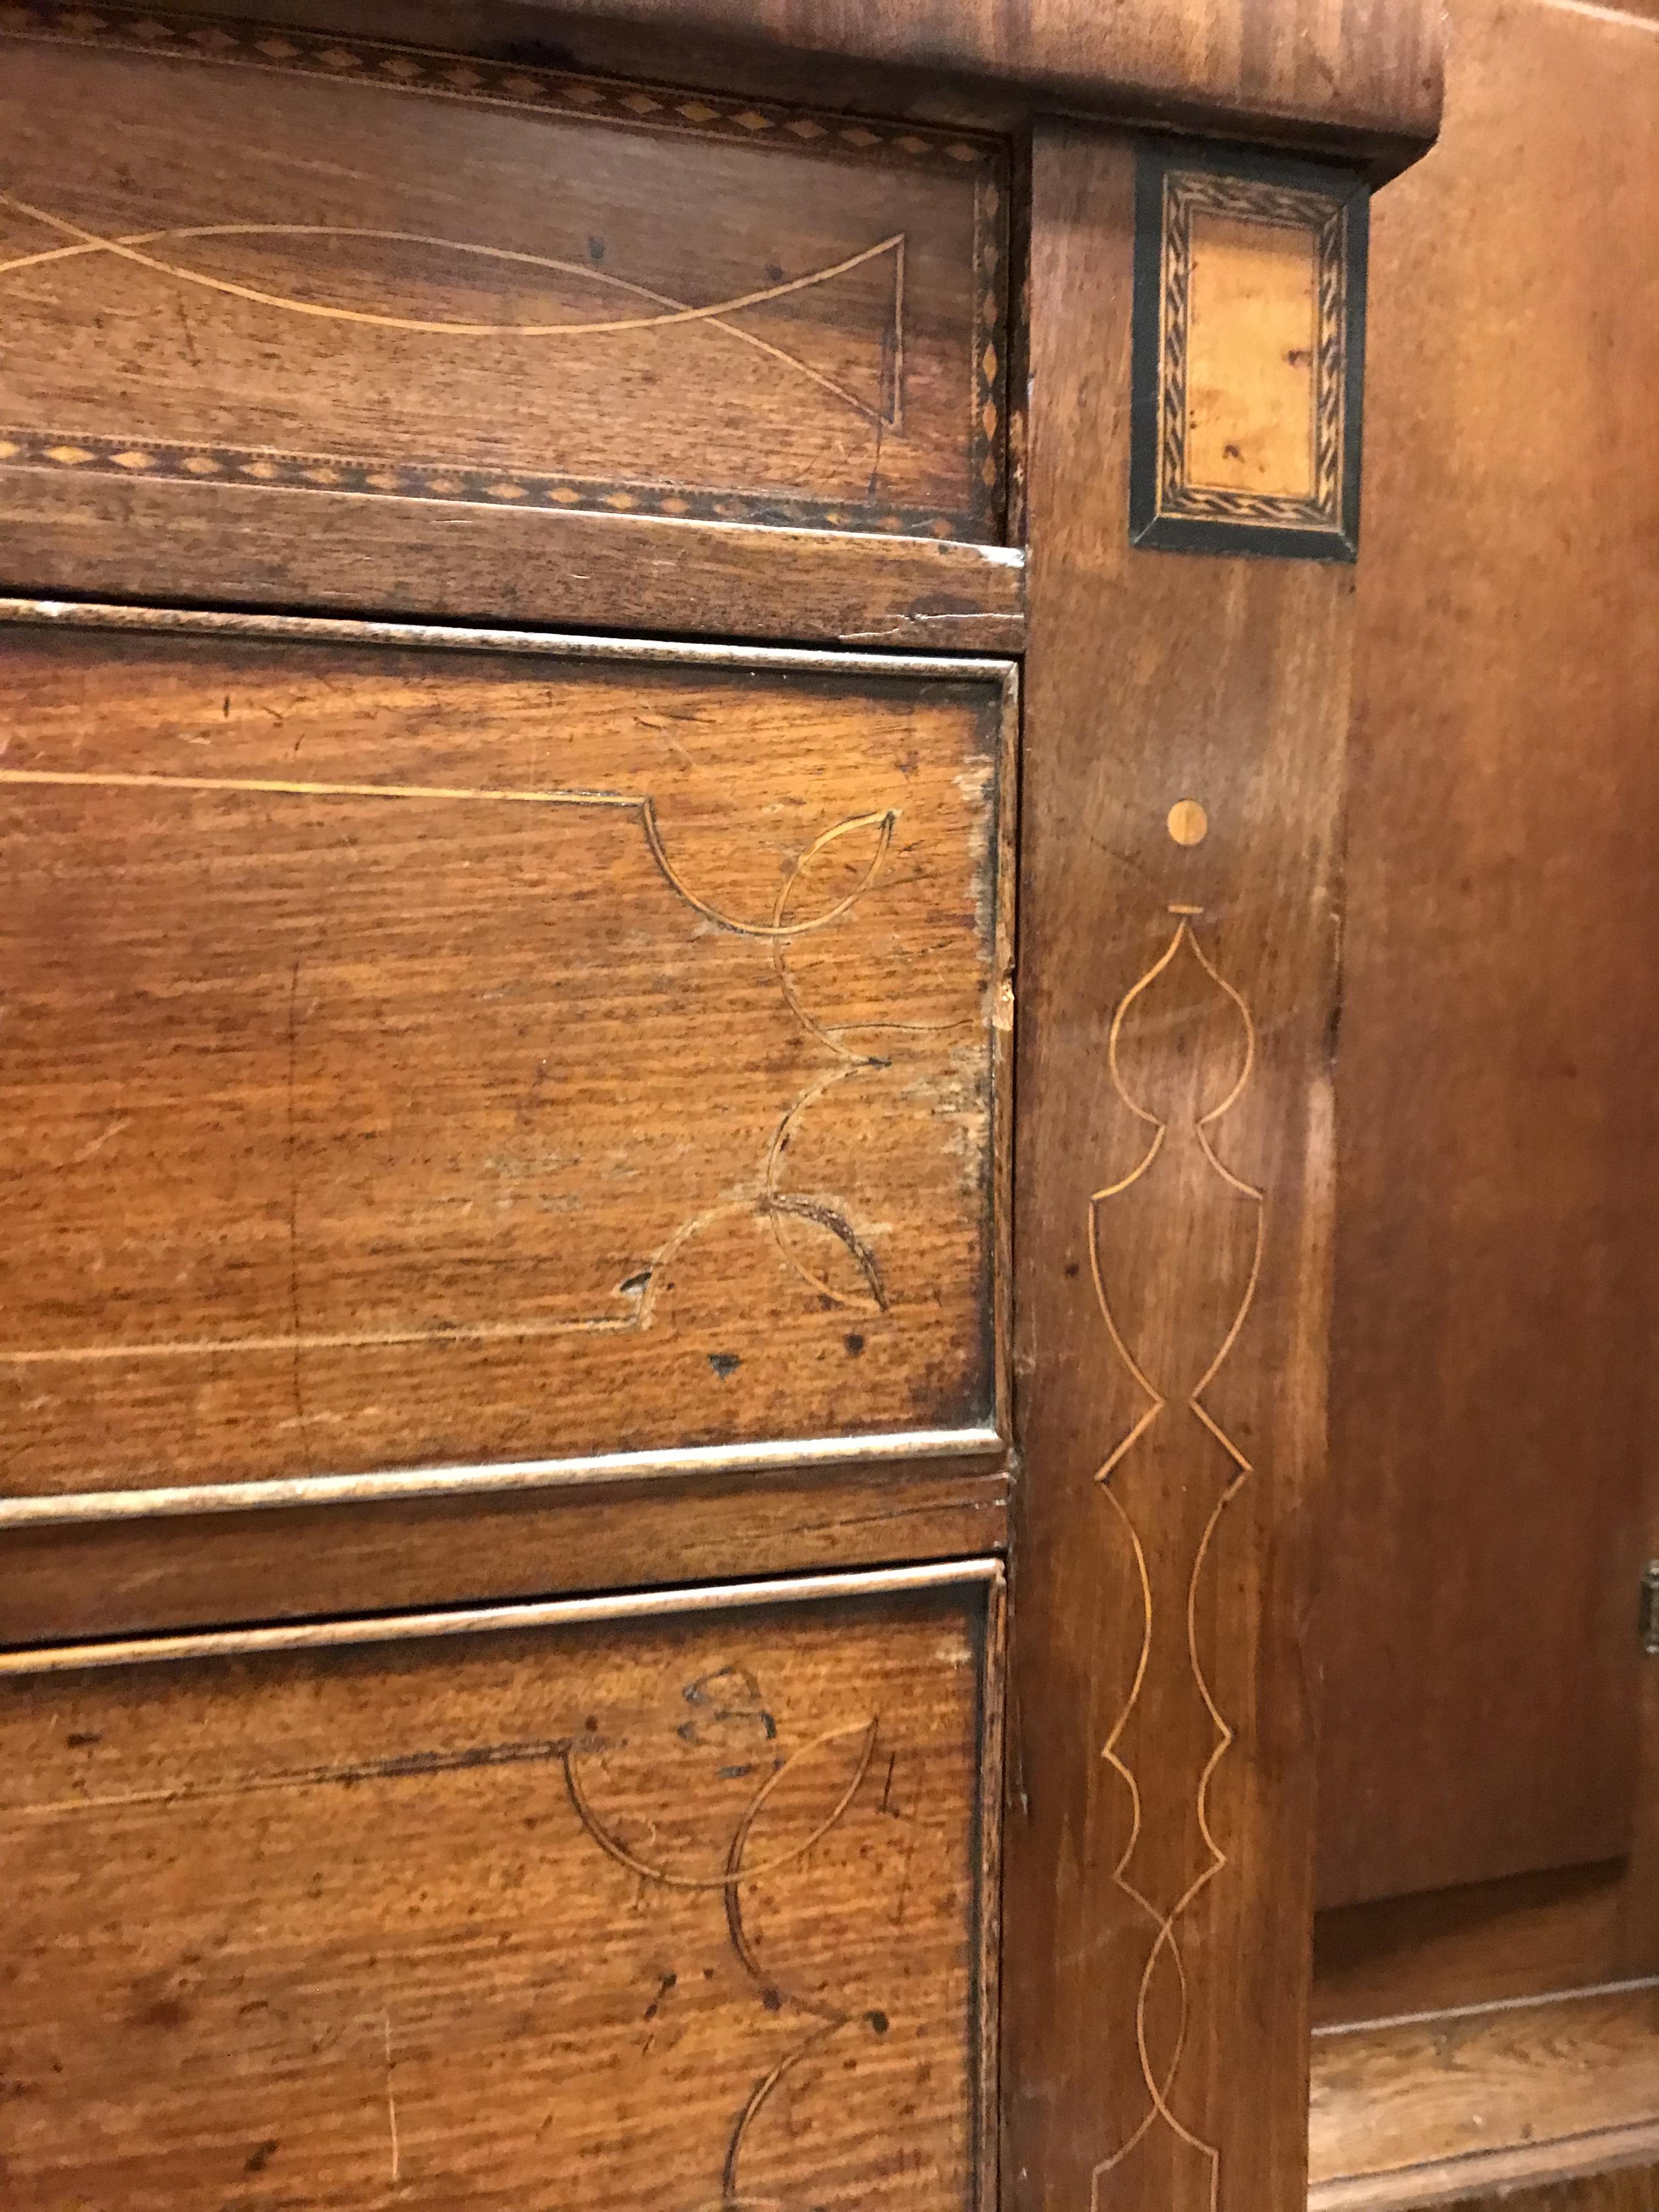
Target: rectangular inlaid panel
{"points": [[1248, 354], [650, 1914], [418, 1055], [234, 256]]}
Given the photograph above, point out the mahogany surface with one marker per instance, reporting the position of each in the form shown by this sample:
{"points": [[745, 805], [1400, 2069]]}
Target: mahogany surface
{"points": [[1492, 1402], [498, 300], [1370, 75], [425, 1055], [631, 1912], [1173, 1217], [401, 1223]]}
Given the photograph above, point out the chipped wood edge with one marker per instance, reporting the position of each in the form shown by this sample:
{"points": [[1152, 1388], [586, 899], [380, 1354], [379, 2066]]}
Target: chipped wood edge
{"points": [[562, 644], [1004, 945]]}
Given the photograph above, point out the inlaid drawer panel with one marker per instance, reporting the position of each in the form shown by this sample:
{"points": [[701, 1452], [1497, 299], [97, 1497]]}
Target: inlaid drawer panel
{"points": [[418, 1054], [239, 258], [658, 1913]]}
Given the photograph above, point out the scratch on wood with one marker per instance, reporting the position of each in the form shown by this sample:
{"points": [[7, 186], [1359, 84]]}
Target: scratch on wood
{"points": [[390, 2100]]}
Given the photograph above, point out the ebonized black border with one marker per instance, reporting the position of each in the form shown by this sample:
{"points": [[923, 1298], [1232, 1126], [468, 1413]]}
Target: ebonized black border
{"points": [[1168, 533]]}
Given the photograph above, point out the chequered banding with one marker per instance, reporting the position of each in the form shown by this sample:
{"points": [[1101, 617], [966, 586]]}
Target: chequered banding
{"points": [[612, 101]]}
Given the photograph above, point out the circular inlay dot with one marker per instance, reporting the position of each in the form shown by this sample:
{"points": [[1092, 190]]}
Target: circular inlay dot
{"points": [[1188, 825]]}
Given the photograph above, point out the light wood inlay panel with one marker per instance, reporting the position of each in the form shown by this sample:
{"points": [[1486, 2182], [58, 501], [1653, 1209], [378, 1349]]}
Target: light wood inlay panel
{"points": [[516, 288], [1250, 383], [622, 1914], [1248, 354], [416, 1056]]}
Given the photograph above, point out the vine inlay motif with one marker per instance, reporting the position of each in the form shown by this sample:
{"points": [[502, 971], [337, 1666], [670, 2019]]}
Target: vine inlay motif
{"points": [[826, 2020], [765, 1198]]}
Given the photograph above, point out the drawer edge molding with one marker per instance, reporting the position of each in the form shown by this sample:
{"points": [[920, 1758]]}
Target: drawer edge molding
{"points": [[562, 1464], [554, 641], [479, 1620], [80, 1508]]}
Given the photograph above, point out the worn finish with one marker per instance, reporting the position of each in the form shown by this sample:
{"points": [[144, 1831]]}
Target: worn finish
{"points": [[1615, 2171], [478, 1054], [1492, 1408], [499, 303], [1641, 1921], [661, 1912], [1439, 2106], [1631, 2187], [73, 537], [1367, 75], [1171, 1294]]}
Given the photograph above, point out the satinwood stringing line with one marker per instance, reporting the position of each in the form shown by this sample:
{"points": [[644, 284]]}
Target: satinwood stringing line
{"points": [[766, 1202], [830, 2018], [1165, 1943], [130, 247], [644, 807]]}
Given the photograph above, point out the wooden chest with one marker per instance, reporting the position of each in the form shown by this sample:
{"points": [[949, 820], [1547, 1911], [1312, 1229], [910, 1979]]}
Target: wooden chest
{"points": [[574, 634]]}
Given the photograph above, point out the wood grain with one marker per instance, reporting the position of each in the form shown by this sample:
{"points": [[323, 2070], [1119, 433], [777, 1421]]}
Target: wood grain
{"points": [[1526, 1936], [500, 302], [1610, 2171], [488, 1054], [1253, 294], [1633, 2187], [1368, 77], [1173, 1212], [1641, 1920], [1492, 1403], [1493, 2094], [99, 1578], [651, 1913], [71, 538]]}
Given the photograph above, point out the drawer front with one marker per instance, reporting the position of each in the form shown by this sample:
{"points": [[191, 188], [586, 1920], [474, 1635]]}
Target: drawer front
{"points": [[420, 1057], [238, 259], [647, 1914]]}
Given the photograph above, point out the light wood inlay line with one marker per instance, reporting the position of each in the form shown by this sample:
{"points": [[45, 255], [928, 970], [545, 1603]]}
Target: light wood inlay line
{"points": [[645, 808], [728, 1847], [1160, 2080], [673, 313], [841, 277], [769, 1198]]}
